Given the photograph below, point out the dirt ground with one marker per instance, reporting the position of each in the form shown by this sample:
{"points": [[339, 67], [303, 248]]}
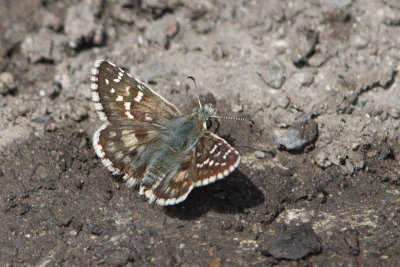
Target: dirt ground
{"points": [[319, 179]]}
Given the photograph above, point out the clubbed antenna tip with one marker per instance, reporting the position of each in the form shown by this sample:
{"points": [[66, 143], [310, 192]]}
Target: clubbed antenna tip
{"points": [[197, 89]]}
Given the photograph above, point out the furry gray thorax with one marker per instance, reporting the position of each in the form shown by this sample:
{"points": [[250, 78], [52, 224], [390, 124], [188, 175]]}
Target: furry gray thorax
{"points": [[183, 132]]}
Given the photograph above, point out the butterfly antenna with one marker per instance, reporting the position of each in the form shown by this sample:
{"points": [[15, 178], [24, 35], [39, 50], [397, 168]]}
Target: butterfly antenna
{"points": [[197, 89], [234, 118]]}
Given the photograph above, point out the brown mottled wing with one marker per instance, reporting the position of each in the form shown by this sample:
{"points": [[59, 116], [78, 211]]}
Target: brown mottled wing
{"points": [[125, 150], [215, 159], [132, 113], [212, 159], [175, 190], [121, 99]]}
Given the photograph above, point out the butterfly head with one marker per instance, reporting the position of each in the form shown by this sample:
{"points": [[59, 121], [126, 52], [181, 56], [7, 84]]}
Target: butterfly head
{"points": [[205, 114]]}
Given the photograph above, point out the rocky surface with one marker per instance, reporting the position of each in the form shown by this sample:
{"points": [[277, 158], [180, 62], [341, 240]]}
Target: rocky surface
{"points": [[319, 178]]}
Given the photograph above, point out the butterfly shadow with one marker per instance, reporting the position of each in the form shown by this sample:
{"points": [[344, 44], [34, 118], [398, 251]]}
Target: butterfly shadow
{"points": [[233, 194]]}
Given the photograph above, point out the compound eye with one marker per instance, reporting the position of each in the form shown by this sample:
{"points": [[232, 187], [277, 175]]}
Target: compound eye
{"points": [[208, 124]]}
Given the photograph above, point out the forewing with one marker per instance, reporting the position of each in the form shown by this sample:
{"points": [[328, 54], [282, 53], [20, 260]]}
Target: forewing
{"points": [[174, 190], [121, 99], [215, 159], [126, 150]]}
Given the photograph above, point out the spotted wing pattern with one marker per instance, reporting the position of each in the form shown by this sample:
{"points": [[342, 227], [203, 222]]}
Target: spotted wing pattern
{"points": [[119, 98], [132, 112], [125, 150], [174, 190], [215, 159], [211, 160]]}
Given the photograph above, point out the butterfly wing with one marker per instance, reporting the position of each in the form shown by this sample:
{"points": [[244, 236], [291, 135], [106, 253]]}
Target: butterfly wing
{"points": [[135, 112], [212, 159], [174, 187], [126, 150], [215, 159], [121, 99]]}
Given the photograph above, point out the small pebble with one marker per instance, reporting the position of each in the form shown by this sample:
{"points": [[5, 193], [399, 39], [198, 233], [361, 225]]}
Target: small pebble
{"points": [[259, 154]]}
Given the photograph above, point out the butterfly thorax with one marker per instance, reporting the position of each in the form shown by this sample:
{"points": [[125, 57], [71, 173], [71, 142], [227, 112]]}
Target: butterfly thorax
{"points": [[183, 132]]}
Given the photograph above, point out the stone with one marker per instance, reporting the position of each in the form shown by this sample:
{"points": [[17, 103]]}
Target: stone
{"points": [[272, 73], [7, 84], [301, 133], [293, 244]]}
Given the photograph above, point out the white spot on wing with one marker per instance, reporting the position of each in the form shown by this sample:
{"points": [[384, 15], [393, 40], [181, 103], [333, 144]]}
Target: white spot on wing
{"points": [[129, 115], [102, 115], [96, 139], [127, 105], [119, 155], [119, 98], [138, 98], [141, 190], [129, 138], [111, 147], [149, 194], [107, 81], [162, 201], [98, 62], [95, 71], [98, 106], [143, 87], [171, 201], [213, 149], [131, 182], [106, 162], [227, 153], [95, 96]]}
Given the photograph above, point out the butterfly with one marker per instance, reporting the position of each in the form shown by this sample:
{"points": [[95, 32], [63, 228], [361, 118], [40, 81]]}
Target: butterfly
{"points": [[148, 140]]}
